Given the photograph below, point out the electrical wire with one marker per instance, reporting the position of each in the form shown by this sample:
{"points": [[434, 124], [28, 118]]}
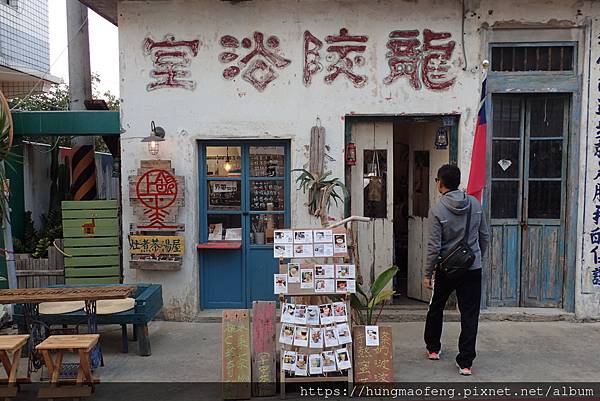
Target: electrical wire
{"points": [[51, 65]]}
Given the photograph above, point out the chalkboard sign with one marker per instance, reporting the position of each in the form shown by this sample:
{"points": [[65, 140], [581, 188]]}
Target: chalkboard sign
{"points": [[373, 364], [236, 354], [267, 161], [264, 192], [264, 374]]}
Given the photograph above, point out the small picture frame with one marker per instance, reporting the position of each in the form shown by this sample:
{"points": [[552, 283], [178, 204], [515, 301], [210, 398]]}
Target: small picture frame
{"points": [[293, 272], [372, 336], [315, 364], [301, 336], [343, 359], [316, 338], [215, 232], [307, 277], [329, 364], [283, 237], [303, 237], [322, 236], [289, 360], [280, 284], [339, 244]]}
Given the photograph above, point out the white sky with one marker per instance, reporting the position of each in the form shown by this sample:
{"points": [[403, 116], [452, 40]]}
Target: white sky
{"points": [[104, 47]]}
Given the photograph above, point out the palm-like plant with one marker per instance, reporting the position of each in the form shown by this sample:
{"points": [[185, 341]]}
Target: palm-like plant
{"points": [[364, 304], [6, 139], [321, 191]]}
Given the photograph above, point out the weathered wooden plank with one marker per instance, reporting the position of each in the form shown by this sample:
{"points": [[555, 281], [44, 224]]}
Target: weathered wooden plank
{"points": [[264, 374], [162, 265], [146, 165], [24, 273], [92, 280], [90, 205], [95, 251], [91, 271], [98, 223], [88, 214], [85, 261], [70, 243], [100, 232], [38, 295], [373, 364], [236, 373]]}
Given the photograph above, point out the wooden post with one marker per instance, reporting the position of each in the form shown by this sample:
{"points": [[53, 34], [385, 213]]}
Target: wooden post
{"points": [[143, 340], [236, 372], [264, 352]]}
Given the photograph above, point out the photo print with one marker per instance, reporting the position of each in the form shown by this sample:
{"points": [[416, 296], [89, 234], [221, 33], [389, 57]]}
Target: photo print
{"points": [[316, 338], [372, 336], [307, 278], [339, 244], [300, 314], [326, 314], [301, 336], [286, 335], [312, 315], [323, 250], [331, 337], [303, 237], [343, 359], [322, 236], [293, 272], [283, 251], [344, 335], [345, 271], [328, 361], [289, 360], [287, 313], [339, 312], [324, 271], [324, 285], [280, 283], [283, 237], [315, 364], [303, 251], [301, 367]]}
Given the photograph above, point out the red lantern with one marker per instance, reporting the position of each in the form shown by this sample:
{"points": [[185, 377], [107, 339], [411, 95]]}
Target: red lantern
{"points": [[351, 154]]}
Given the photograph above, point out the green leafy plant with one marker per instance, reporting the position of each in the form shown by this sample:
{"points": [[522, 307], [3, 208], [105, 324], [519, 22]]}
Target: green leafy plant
{"points": [[365, 305], [30, 236], [321, 191]]}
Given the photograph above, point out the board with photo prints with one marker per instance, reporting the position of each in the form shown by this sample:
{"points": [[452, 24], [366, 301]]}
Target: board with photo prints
{"points": [[315, 338]]}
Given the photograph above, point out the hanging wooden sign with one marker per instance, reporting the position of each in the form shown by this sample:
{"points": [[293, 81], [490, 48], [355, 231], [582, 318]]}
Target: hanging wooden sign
{"points": [[264, 372], [236, 373], [373, 364], [156, 245]]}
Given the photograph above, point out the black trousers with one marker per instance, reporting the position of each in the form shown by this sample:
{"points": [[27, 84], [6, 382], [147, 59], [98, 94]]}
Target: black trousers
{"points": [[468, 292]]}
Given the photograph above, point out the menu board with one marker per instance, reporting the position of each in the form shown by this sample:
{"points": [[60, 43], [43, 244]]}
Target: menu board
{"points": [[236, 354], [264, 192], [373, 364], [267, 161]]}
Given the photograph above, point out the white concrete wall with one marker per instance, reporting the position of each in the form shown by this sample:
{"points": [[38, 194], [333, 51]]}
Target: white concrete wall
{"points": [[219, 108]]}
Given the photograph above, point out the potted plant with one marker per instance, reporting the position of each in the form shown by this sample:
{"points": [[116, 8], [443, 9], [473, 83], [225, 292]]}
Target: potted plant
{"points": [[364, 304], [321, 191]]}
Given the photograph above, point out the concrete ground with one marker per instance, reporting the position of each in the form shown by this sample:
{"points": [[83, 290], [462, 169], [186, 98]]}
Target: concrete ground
{"points": [[507, 351]]}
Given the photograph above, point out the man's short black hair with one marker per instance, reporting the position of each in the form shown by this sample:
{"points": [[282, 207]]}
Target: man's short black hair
{"points": [[449, 175]]}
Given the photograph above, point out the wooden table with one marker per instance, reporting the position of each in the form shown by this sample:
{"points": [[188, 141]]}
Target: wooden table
{"points": [[11, 344], [81, 344], [32, 297]]}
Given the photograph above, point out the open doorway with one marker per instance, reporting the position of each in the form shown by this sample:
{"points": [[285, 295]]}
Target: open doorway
{"points": [[393, 183]]}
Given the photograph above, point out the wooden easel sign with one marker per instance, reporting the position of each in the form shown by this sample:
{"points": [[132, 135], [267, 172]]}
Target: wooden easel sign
{"points": [[264, 374], [236, 371], [373, 364]]}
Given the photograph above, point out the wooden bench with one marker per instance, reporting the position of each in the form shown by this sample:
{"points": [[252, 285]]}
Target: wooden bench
{"points": [[81, 344], [11, 344]]}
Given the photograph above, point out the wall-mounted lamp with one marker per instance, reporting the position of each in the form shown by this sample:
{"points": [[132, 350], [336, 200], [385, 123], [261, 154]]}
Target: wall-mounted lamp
{"points": [[441, 138], [351, 154], [157, 135]]}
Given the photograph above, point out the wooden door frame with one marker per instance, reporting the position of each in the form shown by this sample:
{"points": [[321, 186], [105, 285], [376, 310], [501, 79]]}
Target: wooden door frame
{"points": [[539, 82]]}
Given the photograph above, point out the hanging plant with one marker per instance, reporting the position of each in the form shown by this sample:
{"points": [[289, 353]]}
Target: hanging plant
{"points": [[321, 191], [6, 140]]}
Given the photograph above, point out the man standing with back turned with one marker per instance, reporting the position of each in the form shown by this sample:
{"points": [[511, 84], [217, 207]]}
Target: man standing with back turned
{"points": [[458, 239]]}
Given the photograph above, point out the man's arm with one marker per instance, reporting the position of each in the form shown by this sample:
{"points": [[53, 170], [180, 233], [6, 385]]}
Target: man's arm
{"points": [[484, 235], [434, 244]]}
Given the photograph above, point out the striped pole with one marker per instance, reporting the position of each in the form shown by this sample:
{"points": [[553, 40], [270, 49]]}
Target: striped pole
{"points": [[83, 165]]}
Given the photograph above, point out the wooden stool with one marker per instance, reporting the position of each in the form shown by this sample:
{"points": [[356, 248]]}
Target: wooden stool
{"points": [[11, 344], [79, 343]]}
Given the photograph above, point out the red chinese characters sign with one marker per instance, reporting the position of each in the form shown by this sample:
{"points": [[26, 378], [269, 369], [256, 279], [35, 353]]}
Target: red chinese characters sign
{"points": [[423, 59], [156, 195], [171, 59]]}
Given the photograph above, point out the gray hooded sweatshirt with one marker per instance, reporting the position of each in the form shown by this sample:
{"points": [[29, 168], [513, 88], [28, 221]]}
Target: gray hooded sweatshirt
{"points": [[447, 222]]}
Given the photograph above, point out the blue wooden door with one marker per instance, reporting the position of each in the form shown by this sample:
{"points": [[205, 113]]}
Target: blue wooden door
{"points": [[244, 196], [527, 200]]}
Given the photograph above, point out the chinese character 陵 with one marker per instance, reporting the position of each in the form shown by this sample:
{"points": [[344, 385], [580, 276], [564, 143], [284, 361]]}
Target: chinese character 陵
{"points": [[170, 59]]}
